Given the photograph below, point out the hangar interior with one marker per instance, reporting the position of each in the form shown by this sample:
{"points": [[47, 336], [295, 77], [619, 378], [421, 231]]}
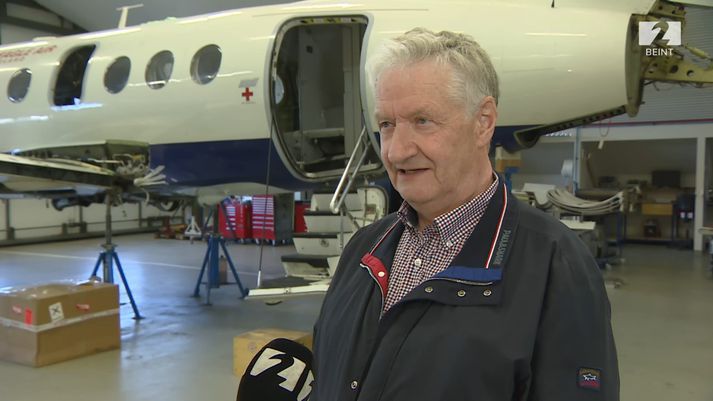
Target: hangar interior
{"points": [[654, 248]]}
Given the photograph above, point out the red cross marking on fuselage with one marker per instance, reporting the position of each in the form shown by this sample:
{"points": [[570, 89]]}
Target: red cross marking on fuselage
{"points": [[247, 94]]}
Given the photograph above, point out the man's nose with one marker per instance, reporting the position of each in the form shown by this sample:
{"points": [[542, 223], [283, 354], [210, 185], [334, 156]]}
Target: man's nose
{"points": [[401, 146]]}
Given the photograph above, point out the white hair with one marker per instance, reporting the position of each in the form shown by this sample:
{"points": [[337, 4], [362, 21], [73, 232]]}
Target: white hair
{"points": [[473, 77]]}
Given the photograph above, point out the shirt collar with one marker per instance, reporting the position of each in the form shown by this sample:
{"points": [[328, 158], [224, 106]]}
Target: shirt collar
{"points": [[448, 224]]}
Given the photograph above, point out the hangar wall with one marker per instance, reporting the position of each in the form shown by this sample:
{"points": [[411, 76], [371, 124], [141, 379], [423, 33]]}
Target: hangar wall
{"points": [[14, 34], [627, 153], [36, 218], [28, 22], [632, 152]]}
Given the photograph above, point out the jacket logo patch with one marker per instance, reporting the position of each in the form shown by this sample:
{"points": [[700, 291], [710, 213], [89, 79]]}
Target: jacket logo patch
{"points": [[589, 378]]}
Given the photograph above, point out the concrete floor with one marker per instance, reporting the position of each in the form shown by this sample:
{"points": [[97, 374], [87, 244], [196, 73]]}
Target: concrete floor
{"points": [[663, 324], [662, 319]]}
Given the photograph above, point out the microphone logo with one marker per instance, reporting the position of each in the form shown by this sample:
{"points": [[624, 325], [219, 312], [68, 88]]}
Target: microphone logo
{"points": [[290, 368]]}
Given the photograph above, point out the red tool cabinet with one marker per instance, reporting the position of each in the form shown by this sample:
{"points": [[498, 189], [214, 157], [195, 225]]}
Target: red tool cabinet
{"points": [[273, 217], [238, 222]]}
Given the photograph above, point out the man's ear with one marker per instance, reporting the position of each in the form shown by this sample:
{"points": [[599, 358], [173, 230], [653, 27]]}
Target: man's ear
{"points": [[487, 117]]}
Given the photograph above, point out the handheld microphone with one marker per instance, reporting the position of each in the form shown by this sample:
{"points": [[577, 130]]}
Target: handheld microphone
{"points": [[281, 371]]}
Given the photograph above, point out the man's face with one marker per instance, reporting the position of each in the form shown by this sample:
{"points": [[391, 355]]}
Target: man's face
{"points": [[430, 146]]}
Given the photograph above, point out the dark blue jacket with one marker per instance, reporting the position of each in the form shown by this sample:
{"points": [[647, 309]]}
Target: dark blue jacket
{"points": [[520, 314]]}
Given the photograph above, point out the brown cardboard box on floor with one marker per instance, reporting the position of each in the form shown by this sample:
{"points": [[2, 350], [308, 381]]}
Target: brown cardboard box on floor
{"points": [[246, 345], [657, 209], [50, 323]]}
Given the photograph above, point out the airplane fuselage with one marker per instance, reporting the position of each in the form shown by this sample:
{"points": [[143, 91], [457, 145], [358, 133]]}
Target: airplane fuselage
{"points": [[277, 94]]}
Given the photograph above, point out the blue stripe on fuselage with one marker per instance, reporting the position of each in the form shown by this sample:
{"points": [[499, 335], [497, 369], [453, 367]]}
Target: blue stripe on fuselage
{"points": [[199, 164]]}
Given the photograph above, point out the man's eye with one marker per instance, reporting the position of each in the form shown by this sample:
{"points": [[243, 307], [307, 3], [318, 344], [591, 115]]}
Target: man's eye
{"points": [[422, 121], [385, 125]]}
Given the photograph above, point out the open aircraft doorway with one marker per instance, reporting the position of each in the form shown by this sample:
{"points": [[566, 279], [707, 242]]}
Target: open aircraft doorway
{"points": [[316, 95], [69, 86]]}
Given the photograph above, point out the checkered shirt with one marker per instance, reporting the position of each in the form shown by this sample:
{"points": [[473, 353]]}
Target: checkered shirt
{"points": [[421, 255]]}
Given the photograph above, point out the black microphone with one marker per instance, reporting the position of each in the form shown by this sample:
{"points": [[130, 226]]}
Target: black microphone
{"points": [[281, 371]]}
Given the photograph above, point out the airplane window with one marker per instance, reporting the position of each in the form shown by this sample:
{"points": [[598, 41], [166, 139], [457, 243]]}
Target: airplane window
{"points": [[19, 85], [117, 75], [159, 70], [206, 63]]}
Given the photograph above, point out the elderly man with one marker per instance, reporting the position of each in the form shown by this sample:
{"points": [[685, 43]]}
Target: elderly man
{"points": [[464, 293]]}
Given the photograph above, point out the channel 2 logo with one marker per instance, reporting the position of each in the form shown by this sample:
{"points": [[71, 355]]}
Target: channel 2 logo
{"points": [[650, 30]]}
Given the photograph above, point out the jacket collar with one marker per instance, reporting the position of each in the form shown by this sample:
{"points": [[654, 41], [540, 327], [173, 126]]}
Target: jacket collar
{"points": [[379, 259], [480, 262], [475, 262]]}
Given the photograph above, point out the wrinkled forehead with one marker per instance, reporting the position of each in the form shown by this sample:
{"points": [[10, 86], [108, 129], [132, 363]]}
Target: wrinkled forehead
{"points": [[420, 88], [426, 73]]}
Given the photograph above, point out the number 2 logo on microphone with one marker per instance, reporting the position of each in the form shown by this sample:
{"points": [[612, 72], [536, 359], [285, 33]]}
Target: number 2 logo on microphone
{"points": [[292, 372]]}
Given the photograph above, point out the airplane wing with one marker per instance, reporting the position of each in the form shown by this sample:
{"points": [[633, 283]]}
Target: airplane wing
{"points": [[20, 176]]}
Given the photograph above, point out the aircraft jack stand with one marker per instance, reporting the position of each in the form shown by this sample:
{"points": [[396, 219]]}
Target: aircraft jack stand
{"points": [[216, 242], [108, 257]]}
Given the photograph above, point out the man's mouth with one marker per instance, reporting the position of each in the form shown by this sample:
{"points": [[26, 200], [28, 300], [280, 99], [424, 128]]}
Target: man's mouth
{"points": [[411, 171]]}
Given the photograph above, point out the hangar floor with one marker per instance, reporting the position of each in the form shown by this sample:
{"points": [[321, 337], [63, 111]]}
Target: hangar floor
{"points": [[183, 349]]}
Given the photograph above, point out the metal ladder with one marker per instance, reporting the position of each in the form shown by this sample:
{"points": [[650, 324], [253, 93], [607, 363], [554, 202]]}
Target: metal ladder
{"points": [[348, 177]]}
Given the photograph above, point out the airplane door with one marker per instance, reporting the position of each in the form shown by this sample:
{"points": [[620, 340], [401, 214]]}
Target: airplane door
{"points": [[316, 99]]}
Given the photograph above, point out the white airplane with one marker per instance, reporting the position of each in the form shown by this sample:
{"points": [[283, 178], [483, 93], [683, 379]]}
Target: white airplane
{"points": [[277, 97]]}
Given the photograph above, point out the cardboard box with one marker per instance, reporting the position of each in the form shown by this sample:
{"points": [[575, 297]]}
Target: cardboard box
{"points": [[246, 345], [657, 209], [50, 323], [504, 159]]}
